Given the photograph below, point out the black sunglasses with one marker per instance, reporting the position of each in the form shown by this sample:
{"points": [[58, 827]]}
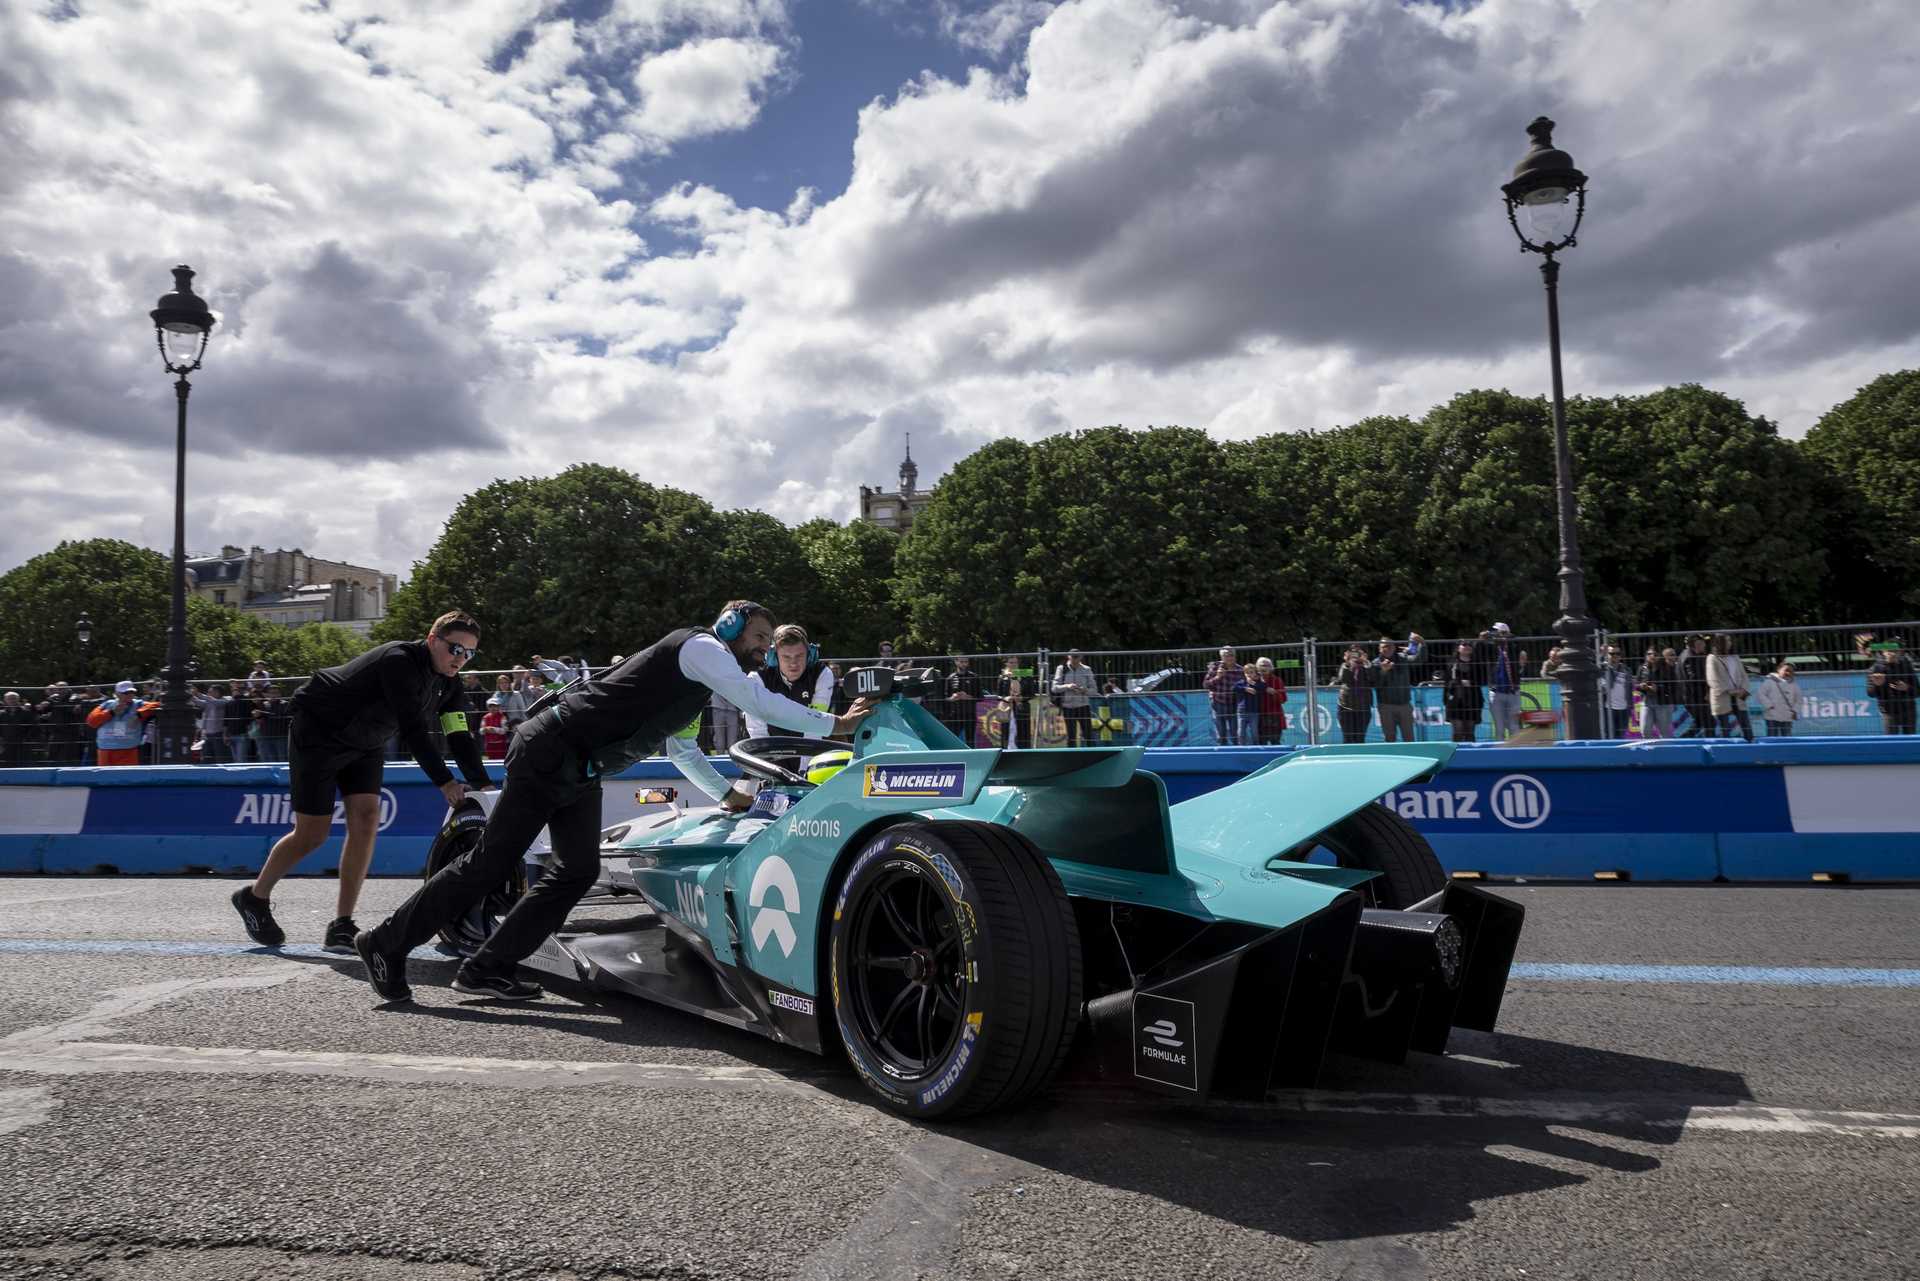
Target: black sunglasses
{"points": [[457, 649]]}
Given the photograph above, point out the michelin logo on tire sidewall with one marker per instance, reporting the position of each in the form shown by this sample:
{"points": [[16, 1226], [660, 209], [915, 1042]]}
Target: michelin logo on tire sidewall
{"points": [[1520, 801]]}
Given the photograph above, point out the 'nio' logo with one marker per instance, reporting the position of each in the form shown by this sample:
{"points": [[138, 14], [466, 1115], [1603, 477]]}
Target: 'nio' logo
{"points": [[1520, 801], [774, 877]]}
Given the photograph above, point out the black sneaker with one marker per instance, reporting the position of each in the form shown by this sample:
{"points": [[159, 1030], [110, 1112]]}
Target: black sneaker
{"points": [[340, 936], [387, 974], [257, 915], [501, 987]]}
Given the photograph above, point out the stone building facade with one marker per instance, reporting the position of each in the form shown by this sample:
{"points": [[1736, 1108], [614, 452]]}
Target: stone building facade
{"points": [[291, 588]]}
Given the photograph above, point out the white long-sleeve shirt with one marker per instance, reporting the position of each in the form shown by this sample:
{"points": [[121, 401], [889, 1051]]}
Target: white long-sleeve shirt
{"points": [[705, 659], [822, 700]]}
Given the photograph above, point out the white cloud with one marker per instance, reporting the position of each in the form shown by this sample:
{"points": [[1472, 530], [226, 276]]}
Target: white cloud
{"points": [[435, 268], [705, 87]]}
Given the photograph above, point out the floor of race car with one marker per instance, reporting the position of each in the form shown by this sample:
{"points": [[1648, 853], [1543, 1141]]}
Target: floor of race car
{"points": [[1701, 1082]]}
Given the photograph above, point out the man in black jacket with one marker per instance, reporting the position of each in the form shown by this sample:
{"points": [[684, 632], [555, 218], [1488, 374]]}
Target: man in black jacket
{"points": [[17, 723], [60, 725], [1890, 682], [1690, 684], [554, 766], [1460, 692], [342, 718], [963, 697]]}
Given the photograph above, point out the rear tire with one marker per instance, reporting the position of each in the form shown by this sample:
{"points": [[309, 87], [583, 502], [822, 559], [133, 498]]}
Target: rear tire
{"points": [[1375, 839], [461, 832], [954, 968]]}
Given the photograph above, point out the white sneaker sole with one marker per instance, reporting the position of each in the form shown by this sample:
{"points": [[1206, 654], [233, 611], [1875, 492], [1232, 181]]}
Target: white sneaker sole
{"points": [[472, 989]]}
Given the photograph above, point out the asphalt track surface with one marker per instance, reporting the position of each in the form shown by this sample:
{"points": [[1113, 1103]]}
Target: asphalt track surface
{"points": [[175, 1104]]}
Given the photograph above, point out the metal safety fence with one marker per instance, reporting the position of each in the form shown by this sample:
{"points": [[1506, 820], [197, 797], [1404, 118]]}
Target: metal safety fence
{"points": [[1265, 693]]}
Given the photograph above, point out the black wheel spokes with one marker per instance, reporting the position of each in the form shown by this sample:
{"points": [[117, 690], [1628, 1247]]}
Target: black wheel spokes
{"points": [[905, 970], [900, 925]]}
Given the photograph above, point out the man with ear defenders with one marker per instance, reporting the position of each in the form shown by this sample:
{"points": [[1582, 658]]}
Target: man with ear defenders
{"points": [[793, 671], [555, 762]]}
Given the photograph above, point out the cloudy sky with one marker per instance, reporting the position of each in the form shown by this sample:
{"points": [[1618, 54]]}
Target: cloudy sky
{"points": [[744, 246]]}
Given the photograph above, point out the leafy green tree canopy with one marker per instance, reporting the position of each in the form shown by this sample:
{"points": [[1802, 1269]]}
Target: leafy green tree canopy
{"points": [[127, 592], [1871, 442]]}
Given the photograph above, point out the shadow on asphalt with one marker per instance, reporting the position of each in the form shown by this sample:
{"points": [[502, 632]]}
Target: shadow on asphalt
{"points": [[1331, 1176], [1310, 1176]]}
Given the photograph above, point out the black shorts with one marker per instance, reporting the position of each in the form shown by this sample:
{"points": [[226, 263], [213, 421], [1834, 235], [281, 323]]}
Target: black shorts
{"points": [[319, 765]]}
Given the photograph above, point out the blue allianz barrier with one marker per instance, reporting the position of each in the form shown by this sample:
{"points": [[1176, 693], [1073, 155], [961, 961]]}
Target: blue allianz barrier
{"points": [[1692, 810], [1688, 810]]}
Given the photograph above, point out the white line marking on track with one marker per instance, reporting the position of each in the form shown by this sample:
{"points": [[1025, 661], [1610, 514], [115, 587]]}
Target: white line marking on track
{"points": [[1742, 1118], [125, 1002], [62, 898], [93, 1057], [28, 1105]]}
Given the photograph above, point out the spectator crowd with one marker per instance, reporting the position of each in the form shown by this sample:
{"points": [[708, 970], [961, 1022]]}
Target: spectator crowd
{"points": [[1701, 687]]}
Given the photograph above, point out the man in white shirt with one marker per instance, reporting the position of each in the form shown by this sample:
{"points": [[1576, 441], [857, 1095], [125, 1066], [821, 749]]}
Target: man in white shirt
{"points": [[554, 766]]}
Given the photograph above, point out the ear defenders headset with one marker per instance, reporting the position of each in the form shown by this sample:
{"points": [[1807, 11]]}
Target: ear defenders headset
{"points": [[734, 621], [773, 657], [813, 654]]}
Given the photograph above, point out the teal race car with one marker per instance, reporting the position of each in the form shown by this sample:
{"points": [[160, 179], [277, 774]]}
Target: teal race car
{"points": [[962, 922]]}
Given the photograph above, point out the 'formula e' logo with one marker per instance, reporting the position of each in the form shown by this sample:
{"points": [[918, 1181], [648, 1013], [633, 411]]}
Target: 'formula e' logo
{"points": [[1520, 801], [1163, 1028], [774, 879], [916, 780], [1163, 1032]]}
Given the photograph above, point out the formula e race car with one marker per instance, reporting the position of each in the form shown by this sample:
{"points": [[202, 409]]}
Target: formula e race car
{"points": [[963, 921]]}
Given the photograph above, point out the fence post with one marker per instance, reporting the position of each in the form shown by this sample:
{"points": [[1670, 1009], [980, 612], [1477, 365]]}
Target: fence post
{"points": [[1312, 677]]}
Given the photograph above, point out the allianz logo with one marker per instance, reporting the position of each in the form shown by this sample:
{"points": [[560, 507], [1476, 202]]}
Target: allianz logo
{"points": [[275, 809], [1518, 801], [1831, 707]]}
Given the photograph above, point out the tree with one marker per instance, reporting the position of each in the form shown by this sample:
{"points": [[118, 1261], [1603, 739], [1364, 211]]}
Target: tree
{"points": [[852, 566], [766, 562], [128, 592], [123, 588], [1871, 444], [592, 561], [1100, 539], [1694, 512]]}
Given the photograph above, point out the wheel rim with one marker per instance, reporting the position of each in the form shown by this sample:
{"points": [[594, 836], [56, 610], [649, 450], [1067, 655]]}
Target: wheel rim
{"points": [[906, 976], [466, 932]]}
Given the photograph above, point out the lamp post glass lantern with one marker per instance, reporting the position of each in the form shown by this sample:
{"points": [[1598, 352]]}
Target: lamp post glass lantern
{"points": [[1552, 195], [181, 325], [83, 632]]}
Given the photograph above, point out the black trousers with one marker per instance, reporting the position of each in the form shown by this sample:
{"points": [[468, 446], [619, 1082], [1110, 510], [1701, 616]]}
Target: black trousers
{"points": [[1353, 724], [1897, 718], [1701, 721], [1079, 725], [545, 787]]}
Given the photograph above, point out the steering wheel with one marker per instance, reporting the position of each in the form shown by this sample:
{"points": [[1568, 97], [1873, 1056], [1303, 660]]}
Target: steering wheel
{"points": [[750, 755]]}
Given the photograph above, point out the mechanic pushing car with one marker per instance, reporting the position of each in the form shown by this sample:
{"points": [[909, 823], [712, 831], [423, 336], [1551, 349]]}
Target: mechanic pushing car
{"points": [[342, 719], [794, 671], [555, 762]]}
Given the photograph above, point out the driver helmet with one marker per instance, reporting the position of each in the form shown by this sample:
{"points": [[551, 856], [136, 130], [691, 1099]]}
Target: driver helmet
{"points": [[826, 765]]}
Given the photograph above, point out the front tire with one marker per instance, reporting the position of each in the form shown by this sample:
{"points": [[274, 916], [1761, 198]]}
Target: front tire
{"points": [[461, 832], [955, 968]]}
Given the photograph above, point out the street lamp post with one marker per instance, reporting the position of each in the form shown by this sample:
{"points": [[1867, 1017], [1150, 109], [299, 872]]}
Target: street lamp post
{"points": [[83, 629], [181, 325], [1544, 184]]}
